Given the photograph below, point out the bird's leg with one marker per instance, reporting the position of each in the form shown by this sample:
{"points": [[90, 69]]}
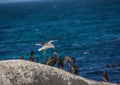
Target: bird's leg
{"points": [[44, 53]]}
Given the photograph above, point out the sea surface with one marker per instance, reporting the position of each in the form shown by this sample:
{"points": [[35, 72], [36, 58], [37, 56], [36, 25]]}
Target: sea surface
{"points": [[88, 30]]}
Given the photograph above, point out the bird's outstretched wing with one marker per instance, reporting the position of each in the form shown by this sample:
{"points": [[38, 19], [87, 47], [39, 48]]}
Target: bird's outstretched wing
{"points": [[51, 41], [41, 48], [37, 44], [41, 44]]}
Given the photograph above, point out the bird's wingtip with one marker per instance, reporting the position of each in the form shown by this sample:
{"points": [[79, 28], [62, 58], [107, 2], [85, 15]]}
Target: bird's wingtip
{"points": [[39, 49], [37, 44], [55, 40]]}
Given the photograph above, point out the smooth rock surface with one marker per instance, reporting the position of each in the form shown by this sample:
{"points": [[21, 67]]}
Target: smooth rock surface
{"points": [[21, 72]]}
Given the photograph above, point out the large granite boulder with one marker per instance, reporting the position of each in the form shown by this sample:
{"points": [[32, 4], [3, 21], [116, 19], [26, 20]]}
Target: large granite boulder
{"points": [[21, 72]]}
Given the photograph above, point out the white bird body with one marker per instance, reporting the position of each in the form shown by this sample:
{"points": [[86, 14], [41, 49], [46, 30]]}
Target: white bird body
{"points": [[46, 45]]}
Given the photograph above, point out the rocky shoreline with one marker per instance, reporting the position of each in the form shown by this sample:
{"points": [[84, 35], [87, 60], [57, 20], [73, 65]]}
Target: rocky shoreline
{"points": [[22, 72]]}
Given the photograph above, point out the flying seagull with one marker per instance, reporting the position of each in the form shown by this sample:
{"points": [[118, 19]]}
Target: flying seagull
{"points": [[46, 46]]}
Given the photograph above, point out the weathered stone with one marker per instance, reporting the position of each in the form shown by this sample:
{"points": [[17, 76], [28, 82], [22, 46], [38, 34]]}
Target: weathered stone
{"points": [[21, 72]]}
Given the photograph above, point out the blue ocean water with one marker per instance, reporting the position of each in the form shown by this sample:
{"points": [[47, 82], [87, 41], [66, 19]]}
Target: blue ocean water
{"points": [[89, 31]]}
